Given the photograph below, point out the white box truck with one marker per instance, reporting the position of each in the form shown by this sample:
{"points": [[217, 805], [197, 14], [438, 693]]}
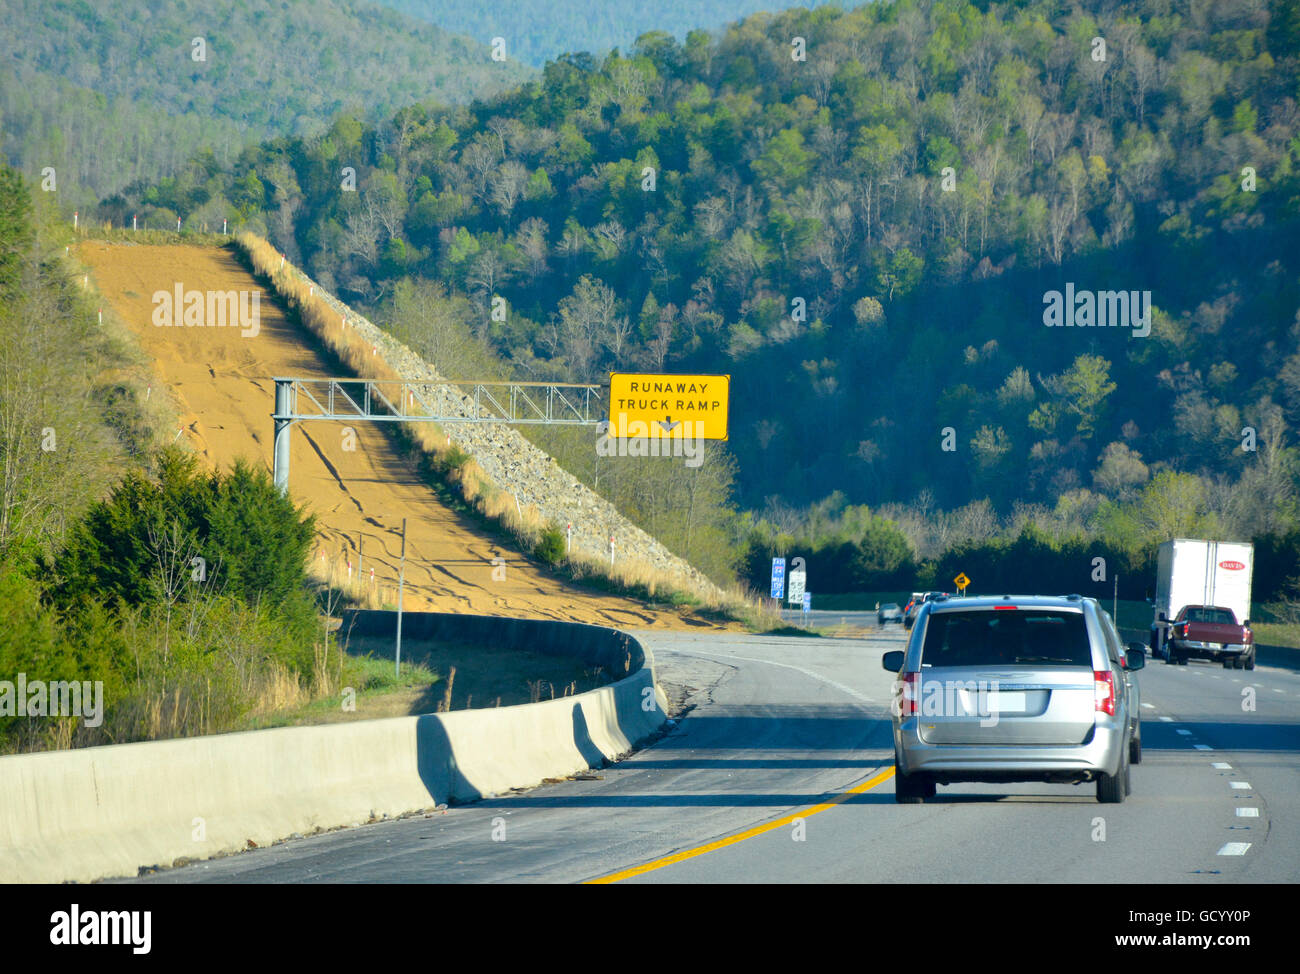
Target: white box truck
{"points": [[1194, 578]]}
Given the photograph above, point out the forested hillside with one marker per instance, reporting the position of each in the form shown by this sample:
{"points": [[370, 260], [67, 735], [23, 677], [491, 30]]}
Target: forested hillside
{"points": [[537, 31], [111, 92], [867, 237]]}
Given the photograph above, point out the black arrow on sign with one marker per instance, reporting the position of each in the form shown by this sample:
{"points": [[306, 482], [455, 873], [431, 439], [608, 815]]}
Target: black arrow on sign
{"points": [[669, 426]]}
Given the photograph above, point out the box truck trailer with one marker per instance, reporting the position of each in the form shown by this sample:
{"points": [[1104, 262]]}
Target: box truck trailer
{"points": [[1202, 603]]}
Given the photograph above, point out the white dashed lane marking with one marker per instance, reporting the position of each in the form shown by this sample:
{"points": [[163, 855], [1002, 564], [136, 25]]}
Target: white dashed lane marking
{"points": [[1248, 813], [1234, 848]]}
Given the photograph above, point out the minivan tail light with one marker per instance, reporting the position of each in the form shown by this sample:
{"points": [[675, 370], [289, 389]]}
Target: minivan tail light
{"points": [[911, 694], [1103, 691]]}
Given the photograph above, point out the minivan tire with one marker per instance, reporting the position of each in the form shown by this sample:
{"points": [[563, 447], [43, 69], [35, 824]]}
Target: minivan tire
{"points": [[912, 789], [1112, 788]]}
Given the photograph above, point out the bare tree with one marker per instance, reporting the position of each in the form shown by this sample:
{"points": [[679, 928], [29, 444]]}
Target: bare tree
{"points": [[661, 341], [480, 159], [508, 186], [531, 237], [590, 319], [172, 553], [361, 239], [711, 216]]}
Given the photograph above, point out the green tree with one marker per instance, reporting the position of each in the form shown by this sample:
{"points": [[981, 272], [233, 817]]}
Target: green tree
{"points": [[900, 274], [1083, 390], [785, 161], [1172, 505], [147, 533]]}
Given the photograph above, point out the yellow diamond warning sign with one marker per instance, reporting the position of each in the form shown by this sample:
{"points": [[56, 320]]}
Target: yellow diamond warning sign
{"points": [[961, 581], [668, 406]]}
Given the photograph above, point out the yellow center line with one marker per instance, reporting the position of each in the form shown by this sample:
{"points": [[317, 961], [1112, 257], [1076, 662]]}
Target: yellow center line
{"points": [[685, 854]]}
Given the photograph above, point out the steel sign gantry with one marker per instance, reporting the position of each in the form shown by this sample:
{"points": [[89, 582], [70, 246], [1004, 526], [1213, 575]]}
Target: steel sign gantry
{"points": [[393, 400]]}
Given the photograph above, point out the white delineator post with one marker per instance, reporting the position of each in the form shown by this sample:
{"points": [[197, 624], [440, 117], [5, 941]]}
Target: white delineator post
{"points": [[611, 551], [568, 539]]}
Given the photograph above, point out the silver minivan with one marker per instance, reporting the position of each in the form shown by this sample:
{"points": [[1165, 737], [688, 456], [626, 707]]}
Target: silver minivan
{"points": [[1015, 688]]}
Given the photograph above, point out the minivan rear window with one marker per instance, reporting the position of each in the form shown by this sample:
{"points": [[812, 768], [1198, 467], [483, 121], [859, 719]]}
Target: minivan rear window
{"points": [[1006, 637]]}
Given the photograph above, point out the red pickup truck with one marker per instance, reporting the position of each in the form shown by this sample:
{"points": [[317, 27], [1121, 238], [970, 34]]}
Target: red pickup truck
{"points": [[1211, 632]]}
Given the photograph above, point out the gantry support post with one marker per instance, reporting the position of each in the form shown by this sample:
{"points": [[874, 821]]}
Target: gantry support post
{"points": [[283, 423]]}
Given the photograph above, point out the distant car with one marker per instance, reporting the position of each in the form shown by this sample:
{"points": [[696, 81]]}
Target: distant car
{"points": [[1023, 688], [889, 612], [912, 608], [918, 599]]}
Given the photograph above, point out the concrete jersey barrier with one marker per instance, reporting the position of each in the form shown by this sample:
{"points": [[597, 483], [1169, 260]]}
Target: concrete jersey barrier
{"points": [[95, 812]]}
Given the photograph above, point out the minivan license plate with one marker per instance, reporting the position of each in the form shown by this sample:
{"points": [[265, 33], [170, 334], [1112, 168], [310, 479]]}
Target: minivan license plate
{"points": [[1004, 702]]}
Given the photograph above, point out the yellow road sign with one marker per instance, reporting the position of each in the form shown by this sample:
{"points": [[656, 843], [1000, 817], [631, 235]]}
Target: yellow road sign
{"points": [[961, 581], [668, 406]]}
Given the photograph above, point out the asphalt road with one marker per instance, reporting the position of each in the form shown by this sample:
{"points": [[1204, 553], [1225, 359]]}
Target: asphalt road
{"points": [[750, 786]]}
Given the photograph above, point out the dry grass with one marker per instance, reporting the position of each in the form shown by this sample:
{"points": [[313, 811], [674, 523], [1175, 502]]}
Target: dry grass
{"points": [[349, 586], [202, 236]]}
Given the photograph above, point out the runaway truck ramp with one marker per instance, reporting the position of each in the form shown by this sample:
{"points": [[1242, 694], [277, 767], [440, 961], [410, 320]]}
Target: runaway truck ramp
{"points": [[91, 813], [351, 476]]}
